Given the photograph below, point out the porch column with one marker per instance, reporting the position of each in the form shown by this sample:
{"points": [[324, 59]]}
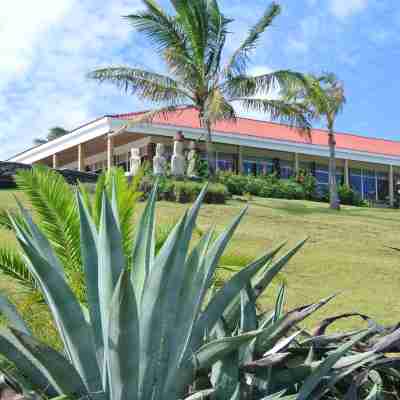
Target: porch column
{"points": [[55, 161], [81, 157], [391, 186], [346, 173], [110, 152], [240, 160], [296, 163]]}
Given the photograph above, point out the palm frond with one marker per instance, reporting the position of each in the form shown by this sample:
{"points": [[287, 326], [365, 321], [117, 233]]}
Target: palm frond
{"points": [[160, 28], [53, 202], [217, 37], [294, 114], [12, 266], [238, 62], [146, 85], [277, 81], [193, 19]]}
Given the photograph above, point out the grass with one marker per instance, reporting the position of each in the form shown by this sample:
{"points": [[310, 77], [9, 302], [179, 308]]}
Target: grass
{"points": [[348, 251]]}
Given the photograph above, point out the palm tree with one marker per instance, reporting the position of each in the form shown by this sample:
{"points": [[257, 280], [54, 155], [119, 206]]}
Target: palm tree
{"points": [[192, 43], [324, 98], [53, 133]]}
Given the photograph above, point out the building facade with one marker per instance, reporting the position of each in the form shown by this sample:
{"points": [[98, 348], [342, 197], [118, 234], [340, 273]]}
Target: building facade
{"points": [[369, 165]]}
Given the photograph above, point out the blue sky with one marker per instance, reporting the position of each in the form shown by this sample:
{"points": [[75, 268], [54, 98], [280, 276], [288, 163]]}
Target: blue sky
{"points": [[48, 46]]}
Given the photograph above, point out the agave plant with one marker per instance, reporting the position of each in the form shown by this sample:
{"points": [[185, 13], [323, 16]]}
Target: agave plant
{"points": [[52, 200], [147, 331]]}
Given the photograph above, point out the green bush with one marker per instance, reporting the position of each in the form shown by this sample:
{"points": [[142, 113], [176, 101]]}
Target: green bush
{"points": [[308, 182], [185, 191], [266, 186], [347, 196]]}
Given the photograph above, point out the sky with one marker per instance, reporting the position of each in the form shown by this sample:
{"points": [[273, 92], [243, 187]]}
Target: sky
{"points": [[48, 46]]}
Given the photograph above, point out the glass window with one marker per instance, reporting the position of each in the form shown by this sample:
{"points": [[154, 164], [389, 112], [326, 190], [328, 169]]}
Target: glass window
{"points": [[225, 165], [355, 180], [322, 176], [249, 167], [383, 189], [369, 185]]}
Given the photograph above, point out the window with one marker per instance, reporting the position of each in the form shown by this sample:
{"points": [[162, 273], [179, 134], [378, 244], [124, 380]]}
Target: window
{"points": [[355, 180], [383, 185], [369, 185], [249, 167], [225, 165]]}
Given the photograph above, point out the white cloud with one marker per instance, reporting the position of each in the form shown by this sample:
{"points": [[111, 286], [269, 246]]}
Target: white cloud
{"points": [[47, 48], [345, 8]]}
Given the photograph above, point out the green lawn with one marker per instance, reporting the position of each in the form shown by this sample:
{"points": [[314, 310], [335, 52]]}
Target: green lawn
{"points": [[348, 252]]}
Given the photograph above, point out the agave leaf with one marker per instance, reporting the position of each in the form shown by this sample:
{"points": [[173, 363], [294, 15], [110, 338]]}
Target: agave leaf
{"points": [[217, 349], [59, 371], [277, 330], [225, 372], [75, 333], [191, 297], [111, 262], [228, 293], [123, 334], [262, 282], [389, 343], [324, 368], [10, 312], [282, 344], [280, 303], [201, 395], [144, 246], [248, 322], [89, 238], [232, 312], [152, 317], [322, 327], [266, 362], [37, 374]]}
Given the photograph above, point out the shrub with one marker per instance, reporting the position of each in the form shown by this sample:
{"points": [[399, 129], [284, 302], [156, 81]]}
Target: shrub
{"points": [[349, 196], [236, 184], [308, 182], [185, 191]]}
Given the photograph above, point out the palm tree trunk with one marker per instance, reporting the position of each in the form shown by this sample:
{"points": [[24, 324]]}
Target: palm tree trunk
{"points": [[210, 151], [334, 201]]}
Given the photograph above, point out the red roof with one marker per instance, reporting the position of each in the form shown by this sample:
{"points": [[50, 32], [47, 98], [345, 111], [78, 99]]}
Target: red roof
{"points": [[188, 118]]}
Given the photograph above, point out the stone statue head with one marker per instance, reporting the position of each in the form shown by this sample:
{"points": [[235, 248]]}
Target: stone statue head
{"points": [[135, 152], [159, 150]]}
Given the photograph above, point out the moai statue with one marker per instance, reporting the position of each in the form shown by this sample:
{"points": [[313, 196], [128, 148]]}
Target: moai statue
{"points": [[178, 162], [159, 161], [192, 162], [135, 161]]}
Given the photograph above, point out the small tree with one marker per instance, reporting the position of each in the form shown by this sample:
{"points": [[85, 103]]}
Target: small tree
{"points": [[324, 98], [53, 133], [192, 43]]}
